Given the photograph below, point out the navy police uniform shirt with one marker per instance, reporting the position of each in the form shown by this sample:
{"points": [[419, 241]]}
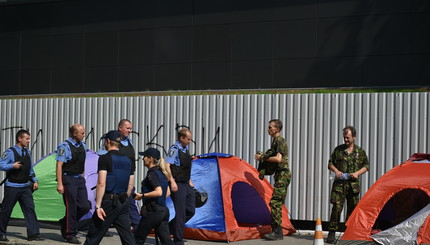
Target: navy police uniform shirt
{"points": [[6, 163]]}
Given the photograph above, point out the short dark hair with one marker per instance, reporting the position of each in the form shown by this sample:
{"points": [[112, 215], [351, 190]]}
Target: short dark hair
{"points": [[183, 132], [122, 121], [20, 134], [277, 122], [351, 129]]}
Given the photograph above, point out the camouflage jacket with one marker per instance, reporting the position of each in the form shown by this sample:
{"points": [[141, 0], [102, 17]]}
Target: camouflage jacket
{"points": [[348, 163], [279, 145]]}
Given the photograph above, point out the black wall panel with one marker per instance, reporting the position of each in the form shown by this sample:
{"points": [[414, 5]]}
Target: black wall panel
{"points": [[211, 43], [9, 53], [295, 39], [251, 41], [173, 76], [251, 74], [106, 46], [136, 47], [136, 78], [211, 75]]}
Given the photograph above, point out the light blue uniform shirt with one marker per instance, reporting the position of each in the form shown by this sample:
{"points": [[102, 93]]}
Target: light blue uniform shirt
{"points": [[64, 153], [103, 151], [6, 164], [173, 155]]}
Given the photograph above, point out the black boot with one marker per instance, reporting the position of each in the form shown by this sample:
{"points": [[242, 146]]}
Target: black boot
{"points": [[331, 238], [276, 233]]}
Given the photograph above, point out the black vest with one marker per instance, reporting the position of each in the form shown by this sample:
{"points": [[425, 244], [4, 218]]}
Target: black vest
{"points": [[146, 187], [182, 173], [75, 165], [21, 175], [127, 150]]}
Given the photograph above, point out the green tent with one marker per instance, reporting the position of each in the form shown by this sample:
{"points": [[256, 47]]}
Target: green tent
{"points": [[48, 202]]}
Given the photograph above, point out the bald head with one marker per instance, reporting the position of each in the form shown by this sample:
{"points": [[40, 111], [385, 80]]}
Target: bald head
{"points": [[77, 132]]}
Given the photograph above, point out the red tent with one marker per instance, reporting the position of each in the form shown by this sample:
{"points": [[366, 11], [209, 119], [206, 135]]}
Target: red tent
{"points": [[238, 204], [393, 198]]}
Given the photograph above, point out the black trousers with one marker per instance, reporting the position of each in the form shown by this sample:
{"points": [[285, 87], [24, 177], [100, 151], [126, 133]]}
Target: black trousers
{"points": [[117, 213], [24, 196], [75, 198], [185, 201], [155, 219]]}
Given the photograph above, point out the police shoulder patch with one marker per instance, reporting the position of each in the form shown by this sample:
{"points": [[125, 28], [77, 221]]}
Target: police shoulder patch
{"points": [[172, 151], [4, 156], [61, 152]]}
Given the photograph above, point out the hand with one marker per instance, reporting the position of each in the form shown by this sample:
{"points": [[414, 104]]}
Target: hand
{"points": [[339, 175], [101, 213], [138, 196], [191, 183], [35, 186], [17, 165], [353, 175], [60, 189], [174, 187], [257, 157]]}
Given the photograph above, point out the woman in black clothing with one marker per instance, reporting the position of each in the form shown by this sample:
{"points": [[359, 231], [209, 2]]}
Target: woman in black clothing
{"points": [[155, 190]]}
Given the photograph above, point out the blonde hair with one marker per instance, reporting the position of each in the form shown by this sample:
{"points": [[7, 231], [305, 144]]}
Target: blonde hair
{"points": [[163, 167]]}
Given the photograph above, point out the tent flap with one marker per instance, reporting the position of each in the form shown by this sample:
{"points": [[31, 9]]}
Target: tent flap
{"points": [[404, 233]]}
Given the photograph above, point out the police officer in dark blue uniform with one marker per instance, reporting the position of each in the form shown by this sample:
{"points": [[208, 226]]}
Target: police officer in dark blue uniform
{"points": [[126, 148], [183, 195], [115, 181], [70, 158], [155, 190], [20, 183]]}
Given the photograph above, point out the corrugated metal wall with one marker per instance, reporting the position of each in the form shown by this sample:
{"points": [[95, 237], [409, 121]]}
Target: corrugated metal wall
{"points": [[390, 127]]}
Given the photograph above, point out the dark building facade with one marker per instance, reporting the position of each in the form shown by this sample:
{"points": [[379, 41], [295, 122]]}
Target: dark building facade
{"points": [[76, 46]]}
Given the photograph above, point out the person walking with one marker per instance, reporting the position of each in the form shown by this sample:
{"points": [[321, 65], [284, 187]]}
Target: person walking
{"points": [[277, 155], [155, 190], [20, 183], [114, 184]]}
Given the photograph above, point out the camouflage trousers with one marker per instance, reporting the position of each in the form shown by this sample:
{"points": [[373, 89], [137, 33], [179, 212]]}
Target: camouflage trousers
{"points": [[282, 180], [341, 190]]}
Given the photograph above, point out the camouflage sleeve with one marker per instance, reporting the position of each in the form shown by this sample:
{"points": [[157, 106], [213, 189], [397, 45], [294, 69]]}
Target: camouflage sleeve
{"points": [[267, 154], [331, 160], [282, 147], [364, 161]]}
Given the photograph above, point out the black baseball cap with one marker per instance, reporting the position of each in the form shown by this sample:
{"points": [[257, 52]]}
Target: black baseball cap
{"points": [[151, 152], [113, 135]]}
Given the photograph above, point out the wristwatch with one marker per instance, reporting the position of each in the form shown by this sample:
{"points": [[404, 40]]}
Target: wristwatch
{"points": [[97, 207]]}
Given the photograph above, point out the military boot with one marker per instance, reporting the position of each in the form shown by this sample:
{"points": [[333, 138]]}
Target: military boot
{"points": [[331, 238], [276, 233]]}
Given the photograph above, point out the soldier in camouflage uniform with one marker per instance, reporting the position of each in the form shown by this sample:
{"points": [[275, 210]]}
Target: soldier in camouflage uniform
{"points": [[276, 158], [347, 158]]}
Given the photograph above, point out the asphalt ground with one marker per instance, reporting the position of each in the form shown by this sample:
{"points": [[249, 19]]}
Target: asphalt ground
{"points": [[18, 235]]}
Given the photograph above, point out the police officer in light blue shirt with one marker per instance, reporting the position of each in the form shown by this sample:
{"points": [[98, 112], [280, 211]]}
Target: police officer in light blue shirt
{"points": [[20, 183], [71, 155], [183, 195]]}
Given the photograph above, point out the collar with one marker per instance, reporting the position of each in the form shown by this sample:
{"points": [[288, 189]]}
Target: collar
{"points": [[184, 149], [20, 149], [71, 140]]}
